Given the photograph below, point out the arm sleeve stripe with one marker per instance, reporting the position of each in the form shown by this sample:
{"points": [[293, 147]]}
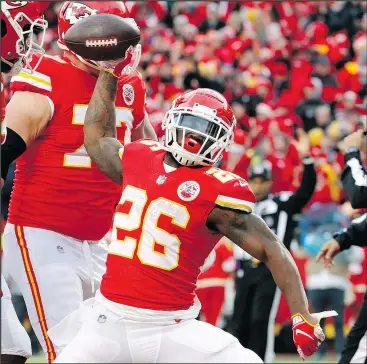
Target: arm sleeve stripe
{"points": [[37, 75], [234, 203], [359, 219], [43, 82], [360, 178]]}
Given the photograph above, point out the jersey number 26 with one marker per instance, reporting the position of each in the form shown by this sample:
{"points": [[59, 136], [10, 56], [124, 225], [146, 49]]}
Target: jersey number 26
{"points": [[149, 234]]}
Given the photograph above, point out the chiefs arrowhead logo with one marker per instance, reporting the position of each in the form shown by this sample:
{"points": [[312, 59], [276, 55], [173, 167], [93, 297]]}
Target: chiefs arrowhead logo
{"points": [[11, 5], [78, 11], [128, 94], [188, 190]]}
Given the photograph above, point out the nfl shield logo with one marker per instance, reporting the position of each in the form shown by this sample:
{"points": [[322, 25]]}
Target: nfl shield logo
{"points": [[161, 179]]}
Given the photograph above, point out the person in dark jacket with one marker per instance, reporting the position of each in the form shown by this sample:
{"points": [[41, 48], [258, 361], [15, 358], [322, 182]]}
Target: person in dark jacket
{"points": [[306, 109], [355, 348], [213, 20], [354, 178], [257, 298]]}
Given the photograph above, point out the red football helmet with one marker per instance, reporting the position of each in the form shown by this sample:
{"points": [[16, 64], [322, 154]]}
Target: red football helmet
{"points": [[71, 12], [199, 127], [19, 19]]}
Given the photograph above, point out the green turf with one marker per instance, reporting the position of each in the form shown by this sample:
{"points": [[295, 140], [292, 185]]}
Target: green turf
{"points": [[279, 359], [36, 359]]}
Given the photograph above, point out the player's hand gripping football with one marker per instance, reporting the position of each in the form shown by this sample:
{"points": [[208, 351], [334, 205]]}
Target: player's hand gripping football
{"points": [[308, 336], [126, 65]]}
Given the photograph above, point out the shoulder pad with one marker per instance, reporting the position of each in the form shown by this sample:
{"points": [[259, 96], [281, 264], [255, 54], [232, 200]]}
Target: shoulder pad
{"points": [[233, 191]]}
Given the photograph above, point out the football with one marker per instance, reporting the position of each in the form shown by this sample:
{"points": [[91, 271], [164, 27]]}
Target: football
{"points": [[102, 37]]}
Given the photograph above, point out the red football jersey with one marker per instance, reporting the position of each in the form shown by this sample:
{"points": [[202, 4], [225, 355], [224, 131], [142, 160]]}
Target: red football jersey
{"points": [[160, 238], [57, 186], [3, 104]]}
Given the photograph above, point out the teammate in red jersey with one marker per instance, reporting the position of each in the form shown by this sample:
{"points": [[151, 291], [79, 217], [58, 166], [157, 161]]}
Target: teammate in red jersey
{"points": [[215, 282], [62, 205], [18, 21], [18, 46], [3, 103], [172, 212]]}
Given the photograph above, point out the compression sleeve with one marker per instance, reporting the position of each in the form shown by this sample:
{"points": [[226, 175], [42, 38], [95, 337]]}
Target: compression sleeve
{"points": [[355, 234], [13, 147]]}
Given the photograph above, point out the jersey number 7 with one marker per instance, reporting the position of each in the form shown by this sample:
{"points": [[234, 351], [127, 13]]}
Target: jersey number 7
{"points": [[79, 158], [149, 234]]}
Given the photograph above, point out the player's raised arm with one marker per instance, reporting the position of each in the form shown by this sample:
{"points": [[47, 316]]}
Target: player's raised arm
{"points": [[100, 128], [252, 234]]}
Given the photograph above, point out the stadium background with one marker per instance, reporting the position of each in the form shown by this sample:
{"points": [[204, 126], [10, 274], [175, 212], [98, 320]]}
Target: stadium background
{"points": [[282, 65]]}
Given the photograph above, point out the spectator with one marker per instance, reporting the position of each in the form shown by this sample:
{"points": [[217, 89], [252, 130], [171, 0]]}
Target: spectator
{"points": [[323, 71], [212, 20], [306, 109], [341, 15], [354, 179], [212, 283], [326, 288], [323, 116], [257, 297]]}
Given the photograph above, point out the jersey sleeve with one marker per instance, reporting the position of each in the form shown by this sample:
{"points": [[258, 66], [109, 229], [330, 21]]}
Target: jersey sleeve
{"points": [[39, 81], [132, 94], [236, 194]]}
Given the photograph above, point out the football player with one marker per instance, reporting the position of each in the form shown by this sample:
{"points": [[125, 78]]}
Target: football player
{"points": [[19, 19], [62, 205], [170, 215]]}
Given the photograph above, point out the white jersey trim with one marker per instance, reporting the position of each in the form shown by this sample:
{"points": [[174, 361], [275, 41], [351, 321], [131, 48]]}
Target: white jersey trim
{"points": [[36, 79]]}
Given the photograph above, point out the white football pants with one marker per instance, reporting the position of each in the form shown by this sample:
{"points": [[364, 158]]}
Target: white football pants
{"points": [[101, 335], [54, 272], [14, 338]]}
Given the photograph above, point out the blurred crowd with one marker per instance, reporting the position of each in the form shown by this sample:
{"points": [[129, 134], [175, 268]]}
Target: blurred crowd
{"points": [[282, 66]]}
